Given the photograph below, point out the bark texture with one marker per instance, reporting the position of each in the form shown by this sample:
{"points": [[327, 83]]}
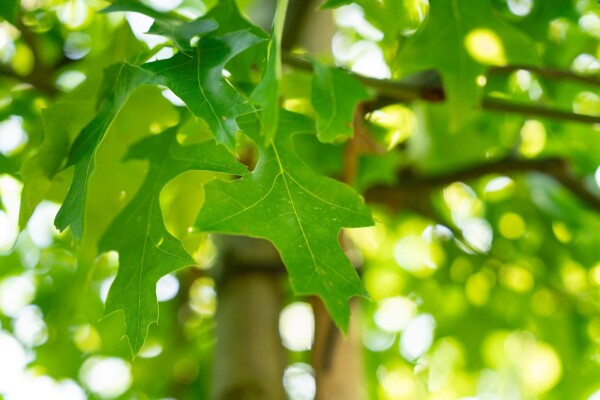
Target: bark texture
{"points": [[249, 356], [337, 359]]}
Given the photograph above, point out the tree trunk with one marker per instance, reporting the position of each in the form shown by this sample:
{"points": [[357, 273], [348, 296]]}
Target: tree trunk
{"points": [[337, 360], [249, 357]]}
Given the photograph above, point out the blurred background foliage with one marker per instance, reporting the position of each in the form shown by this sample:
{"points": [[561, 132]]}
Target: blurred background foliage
{"points": [[484, 286]]}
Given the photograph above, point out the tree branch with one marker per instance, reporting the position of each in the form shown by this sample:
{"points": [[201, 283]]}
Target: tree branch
{"points": [[427, 86], [423, 86], [38, 81], [493, 104], [297, 13], [547, 73], [411, 188], [42, 75]]}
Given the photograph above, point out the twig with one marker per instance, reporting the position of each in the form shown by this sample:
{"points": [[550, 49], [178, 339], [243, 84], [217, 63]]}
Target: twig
{"points": [[297, 14], [493, 104], [547, 73], [577, 187], [42, 75], [410, 185], [360, 143], [35, 80], [422, 86], [427, 86]]}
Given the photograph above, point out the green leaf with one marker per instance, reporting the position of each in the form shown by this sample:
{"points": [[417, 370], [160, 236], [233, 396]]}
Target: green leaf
{"points": [[229, 18], [334, 97], [392, 18], [62, 121], [244, 66], [182, 33], [83, 152], [199, 82], [9, 10], [299, 211], [147, 251], [460, 39], [206, 93], [170, 25], [266, 93], [134, 6], [335, 3]]}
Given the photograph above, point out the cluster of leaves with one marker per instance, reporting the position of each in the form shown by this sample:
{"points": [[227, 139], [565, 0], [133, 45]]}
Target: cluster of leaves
{"points": [[282, 200], [228, 74]]}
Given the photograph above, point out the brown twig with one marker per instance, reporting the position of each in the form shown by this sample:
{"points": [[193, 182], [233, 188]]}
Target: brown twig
{"points": [[427, 86], [547, 73], [40, 82], [422, 86], [361, 143], [297, 13], [493, 104], [409, 185], [42, 75]]}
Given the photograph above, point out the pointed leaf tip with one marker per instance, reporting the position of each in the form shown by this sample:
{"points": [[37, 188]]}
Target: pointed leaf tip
{"points": [[297, 210], [147, 251]]}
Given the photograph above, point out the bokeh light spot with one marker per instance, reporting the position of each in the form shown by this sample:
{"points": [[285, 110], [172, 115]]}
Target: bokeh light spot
{"points": [[542, 368], [12, 135], [203, 297], [29, 326], [417, 338], [587, 103], [399, 122], [516, 278], [299, 382], [395, 313], [167, 287], [485, 47], [86, 338], [511, 225], [16, 292], [533, 138], [562, 232], [520, 8], [297, 326], [415, 255], [107, 377]]}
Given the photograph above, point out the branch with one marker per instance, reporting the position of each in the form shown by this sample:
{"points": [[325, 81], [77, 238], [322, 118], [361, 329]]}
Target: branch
{"points": [[422, 86], [38, 81], [41, 76], [411, 188], [297, 14], [493, 104], [427, 86], [552, 73], [577, 187]]}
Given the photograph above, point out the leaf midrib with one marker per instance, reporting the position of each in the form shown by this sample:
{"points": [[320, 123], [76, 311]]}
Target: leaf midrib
{"points": [[214, 113], [289, 193]]}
